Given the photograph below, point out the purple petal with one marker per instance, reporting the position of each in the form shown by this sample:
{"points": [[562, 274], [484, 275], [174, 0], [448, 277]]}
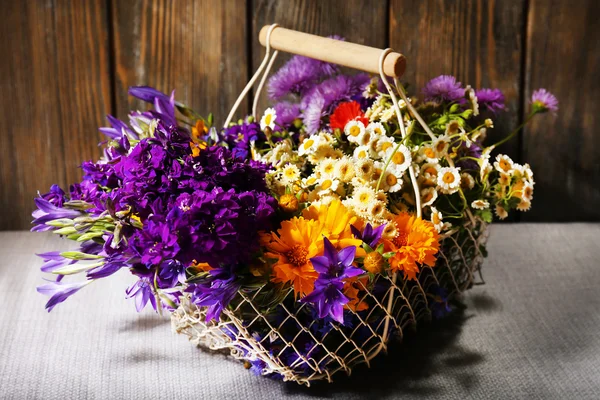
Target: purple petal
{"points": [[320, 264], [330, 251], [346, 255]]}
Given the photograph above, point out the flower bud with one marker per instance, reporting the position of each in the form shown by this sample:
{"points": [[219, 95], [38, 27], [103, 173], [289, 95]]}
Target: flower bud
{"points": [[288, 203], [374, 262]]}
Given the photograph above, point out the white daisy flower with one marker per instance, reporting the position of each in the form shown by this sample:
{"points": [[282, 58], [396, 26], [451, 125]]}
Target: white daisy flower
{"points": [[327, 186], [344, 169], [453, 127], [390, 231], [480, 204], [528, 173], [504, 164], [480, 134], [376, 210], [392, 180], [309, 181], [449, 179], [400, 160], [326, 167], [290, 174], [441, 146], [376, 128], [428, 196], [268, 119], [363, 196], [354, 131], [428, 154], [484, 162], [446, 226], [436, 219], [504, 179], [467, 182], [501, 212], [524, 205], [361, 152], [324, 150], [527, 192], [384, 145], [388, 114], [326, 137], [308, 146]]}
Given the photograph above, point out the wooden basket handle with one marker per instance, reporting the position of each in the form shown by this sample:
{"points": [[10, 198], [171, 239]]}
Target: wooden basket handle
{"points": [[347, 54]]}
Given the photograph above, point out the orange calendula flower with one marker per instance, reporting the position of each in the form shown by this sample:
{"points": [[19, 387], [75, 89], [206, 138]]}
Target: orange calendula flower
{"points": [[197, 145], [301, 238], [352, 289], [417, 242]]}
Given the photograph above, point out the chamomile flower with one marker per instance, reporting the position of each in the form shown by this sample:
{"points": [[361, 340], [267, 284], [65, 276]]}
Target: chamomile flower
{"points": [[448, 180], [268, 119], [480, 204], [472, 98], [344, 170], [354, 131], [428, 154], [441, 145], [326, 167], [501, 212], [308, 146], [436, 219], [524, 205], [326, 137], [453, 127], [430, 171], [466, 181], [504, 164], [504, 179], [400, 159], [376, 210], [376, 128], [388, 114], [363, 196], [428, 196], [390, 231], [310, 181], [484, 162], [392, 180], [327, 186], [290, 174], [528, 172], [366, 138], [361, 152], [384, 144]]}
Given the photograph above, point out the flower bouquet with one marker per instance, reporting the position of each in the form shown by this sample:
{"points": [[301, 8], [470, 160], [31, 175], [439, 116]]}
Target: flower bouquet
{"points": [[303, 240]]}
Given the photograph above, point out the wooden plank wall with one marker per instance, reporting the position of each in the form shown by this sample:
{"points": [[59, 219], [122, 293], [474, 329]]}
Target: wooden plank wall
{"points": [[68, 63]]}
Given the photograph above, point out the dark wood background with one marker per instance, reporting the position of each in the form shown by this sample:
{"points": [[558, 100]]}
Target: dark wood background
{"points": [[67, 63]]}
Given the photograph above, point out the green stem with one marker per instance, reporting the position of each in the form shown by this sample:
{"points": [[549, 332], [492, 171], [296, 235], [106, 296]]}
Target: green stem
{"points": [[513, 133]]}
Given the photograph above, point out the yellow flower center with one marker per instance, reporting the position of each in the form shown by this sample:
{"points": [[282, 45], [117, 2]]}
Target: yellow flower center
{"points": [[398, 158], [354, 131], [431, 170], [391, 179], [377, 130], [401, 239], [290, 173], [268, 119], [288, 203], [427, 197], [429, 152], [448, 177], [362, 154], [326, 184], [307, 145], [297, 255], [366, 138], [385, 146], [441, 146], [435, 218], [504, 165], [364, 198], [366, 169], [311, 181], [328, 168]]}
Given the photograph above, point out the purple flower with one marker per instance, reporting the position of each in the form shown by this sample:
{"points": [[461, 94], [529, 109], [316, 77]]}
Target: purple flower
{"points": [[491, 99], [216, 291], [287, 113], [322, 99], [141, 291], [147, 93], [443, 88], [543, 101], [118, 129], [297, 76], [47, 212], [333, 267], [60, 291], [239, 138], [369, 235]]}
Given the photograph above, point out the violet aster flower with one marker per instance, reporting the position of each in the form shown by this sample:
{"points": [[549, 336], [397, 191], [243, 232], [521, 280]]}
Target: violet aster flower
{"points": [[543, 101], [60, 291], [443, 88], [333, 267], [491, 99], [239, 138], [369, 235], [215, 291], [53, 261], [297, 76], [287, 113], [147, 93], [56, 196]]}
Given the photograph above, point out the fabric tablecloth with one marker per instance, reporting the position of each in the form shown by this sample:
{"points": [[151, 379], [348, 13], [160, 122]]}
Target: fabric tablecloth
{"points": [[532, 331]]}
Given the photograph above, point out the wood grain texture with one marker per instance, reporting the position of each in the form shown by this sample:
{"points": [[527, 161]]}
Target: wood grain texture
{"points": [[55, 92], [355, 20], [197, 48], [478, 41], [563, 56]]}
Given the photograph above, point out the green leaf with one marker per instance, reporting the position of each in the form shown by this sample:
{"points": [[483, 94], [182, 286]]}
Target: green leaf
{"points": [[486, 215], [67, 230]]}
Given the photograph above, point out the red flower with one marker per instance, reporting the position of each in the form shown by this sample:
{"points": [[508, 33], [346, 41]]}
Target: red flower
{"points": [[346, 112]]}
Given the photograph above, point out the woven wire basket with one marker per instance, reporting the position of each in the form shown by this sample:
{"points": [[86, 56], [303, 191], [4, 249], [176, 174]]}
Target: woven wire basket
{"points": [[299, 348]]}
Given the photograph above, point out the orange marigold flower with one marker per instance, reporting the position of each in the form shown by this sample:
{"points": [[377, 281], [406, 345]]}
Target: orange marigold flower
{"points": [[352, 289], [301, 238], [417, 242]]}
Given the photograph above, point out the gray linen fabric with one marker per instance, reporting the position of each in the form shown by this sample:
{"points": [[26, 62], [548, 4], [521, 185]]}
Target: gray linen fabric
{"points": [[533, 331]]}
